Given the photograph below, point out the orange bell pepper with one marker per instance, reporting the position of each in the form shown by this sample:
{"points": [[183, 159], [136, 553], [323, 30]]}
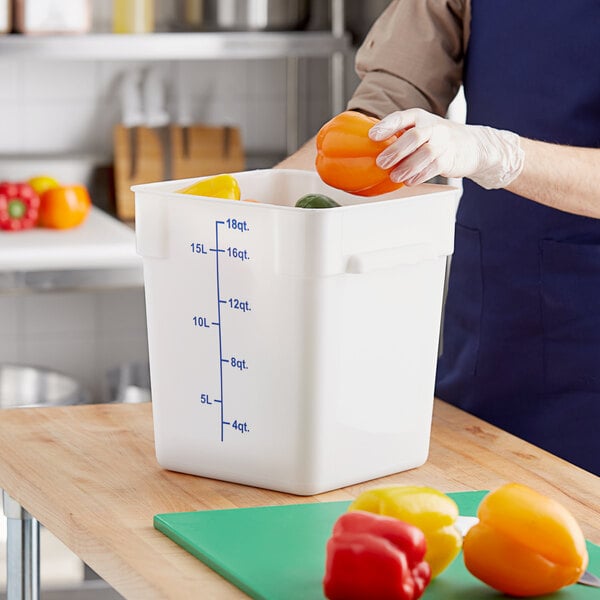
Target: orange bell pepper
{"points": [[346, 156], [64, 206], [525, 544]]}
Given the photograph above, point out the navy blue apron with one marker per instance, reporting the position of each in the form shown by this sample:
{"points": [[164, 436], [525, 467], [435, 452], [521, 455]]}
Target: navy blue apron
{"points": [[521, 346]]}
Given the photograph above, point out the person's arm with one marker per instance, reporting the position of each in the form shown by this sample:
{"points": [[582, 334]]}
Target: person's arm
{"points": [[562, 177], [413, 57]]}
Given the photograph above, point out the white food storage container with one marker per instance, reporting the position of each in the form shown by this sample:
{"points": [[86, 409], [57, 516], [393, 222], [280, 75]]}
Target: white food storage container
{"points": [[293, 349]]}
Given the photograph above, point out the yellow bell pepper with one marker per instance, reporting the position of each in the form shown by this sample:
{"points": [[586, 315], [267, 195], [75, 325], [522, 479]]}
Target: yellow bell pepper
{"points": [[43, 183], [220, 186], [430, 510], [525, 544]]}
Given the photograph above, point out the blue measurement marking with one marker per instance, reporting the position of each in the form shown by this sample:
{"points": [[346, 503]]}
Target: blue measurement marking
{"points": [[219, 302], [232, 223]]}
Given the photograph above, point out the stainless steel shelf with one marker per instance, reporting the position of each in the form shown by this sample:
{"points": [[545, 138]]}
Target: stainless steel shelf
{"points": [[15, 282], [175, 46]]}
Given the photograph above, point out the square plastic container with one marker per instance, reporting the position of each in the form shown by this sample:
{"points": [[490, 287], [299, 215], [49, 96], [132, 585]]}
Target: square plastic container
{"points": [[293, 349]]}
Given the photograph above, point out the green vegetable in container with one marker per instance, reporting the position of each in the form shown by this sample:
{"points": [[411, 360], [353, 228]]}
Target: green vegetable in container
{"points": [[316, 201]]}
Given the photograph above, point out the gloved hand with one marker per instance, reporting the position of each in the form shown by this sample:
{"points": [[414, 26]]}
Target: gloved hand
{"points": [[431, 145]]}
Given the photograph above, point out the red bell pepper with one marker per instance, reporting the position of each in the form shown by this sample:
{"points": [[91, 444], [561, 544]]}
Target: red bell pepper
{"points": [[374, 557], [19, 206]]}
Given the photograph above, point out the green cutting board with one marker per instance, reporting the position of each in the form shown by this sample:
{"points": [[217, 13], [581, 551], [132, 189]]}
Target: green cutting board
{"points": [[278, 552]]}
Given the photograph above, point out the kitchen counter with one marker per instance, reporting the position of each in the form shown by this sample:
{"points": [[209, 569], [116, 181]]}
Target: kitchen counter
{"points": [[89, 474]]}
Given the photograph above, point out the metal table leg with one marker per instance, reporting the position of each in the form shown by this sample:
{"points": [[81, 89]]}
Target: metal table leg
{"points": [[22, 552]]}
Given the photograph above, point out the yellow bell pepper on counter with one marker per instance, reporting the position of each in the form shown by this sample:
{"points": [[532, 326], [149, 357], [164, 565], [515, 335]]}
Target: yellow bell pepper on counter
{"points": [[220, 186], [433, 512], [43, 183], [525, 544]]}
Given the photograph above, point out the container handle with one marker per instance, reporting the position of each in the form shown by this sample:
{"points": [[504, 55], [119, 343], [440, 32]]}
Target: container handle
{"points": [[151, 231], [388, 258]]}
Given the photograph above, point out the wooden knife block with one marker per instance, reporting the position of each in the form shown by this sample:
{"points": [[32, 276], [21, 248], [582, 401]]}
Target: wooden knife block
{"points": [[208, 151], [148, 156], [192, 151]]}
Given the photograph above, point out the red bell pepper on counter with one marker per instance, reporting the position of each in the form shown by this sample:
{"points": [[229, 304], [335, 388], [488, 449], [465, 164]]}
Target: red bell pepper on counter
{"points": [[19, 206], [374, 557]]}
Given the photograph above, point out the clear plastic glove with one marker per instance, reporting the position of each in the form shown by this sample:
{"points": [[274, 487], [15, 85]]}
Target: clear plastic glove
{"points": [[431, 145]]}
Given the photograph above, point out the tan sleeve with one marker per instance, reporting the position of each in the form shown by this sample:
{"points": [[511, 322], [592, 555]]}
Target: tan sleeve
{"points": [[413, 57]]}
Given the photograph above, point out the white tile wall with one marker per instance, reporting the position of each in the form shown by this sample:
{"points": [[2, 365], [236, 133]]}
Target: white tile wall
{"points": [[11, 138], [9, 349], [10, 80], [68, 81], [121, 313], [53, 314], [9, 311], [59, 127], [9, 330]]}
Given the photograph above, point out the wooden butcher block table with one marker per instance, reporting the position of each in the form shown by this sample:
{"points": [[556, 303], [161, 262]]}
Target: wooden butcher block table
{"points": [[89, 474]]}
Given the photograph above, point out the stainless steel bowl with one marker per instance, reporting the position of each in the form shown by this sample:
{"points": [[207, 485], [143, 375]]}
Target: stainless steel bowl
{"points": [[24, 387], [244, 15], [129, 383]]}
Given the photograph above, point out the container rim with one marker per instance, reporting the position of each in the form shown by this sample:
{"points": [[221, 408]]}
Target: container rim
{"points": [[351, 200]]}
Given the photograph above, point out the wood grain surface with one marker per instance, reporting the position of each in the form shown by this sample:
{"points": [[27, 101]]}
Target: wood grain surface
{"points": [[89, 474]]}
